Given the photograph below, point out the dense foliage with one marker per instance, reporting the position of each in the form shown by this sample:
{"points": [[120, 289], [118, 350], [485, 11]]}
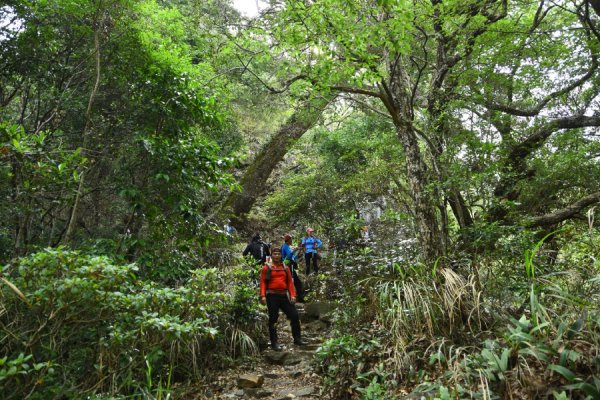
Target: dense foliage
{"points": [[77, 323], [445, 151], [107, 127]]}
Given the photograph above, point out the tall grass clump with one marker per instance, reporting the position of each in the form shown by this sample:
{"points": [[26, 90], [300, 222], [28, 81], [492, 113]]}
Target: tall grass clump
{"points": [[426, 306], [544, 342]]}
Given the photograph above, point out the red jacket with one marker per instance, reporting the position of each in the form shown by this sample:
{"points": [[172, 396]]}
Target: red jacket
{"points": [[281, 280]]}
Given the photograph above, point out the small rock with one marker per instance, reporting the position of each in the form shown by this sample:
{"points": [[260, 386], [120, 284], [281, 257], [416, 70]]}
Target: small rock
{"points": [[319, 325], [250, 381], [284, 396], [311, 346], [295, 358], [327, 318], [276, 357], [294, 374], [258, 392], [305, 392]]}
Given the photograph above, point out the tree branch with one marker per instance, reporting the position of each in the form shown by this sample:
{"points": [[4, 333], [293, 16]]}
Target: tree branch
{"points": [[368, 107], [565, 213], [535, 140], [349, 89], [532, 112], [272, 89]]}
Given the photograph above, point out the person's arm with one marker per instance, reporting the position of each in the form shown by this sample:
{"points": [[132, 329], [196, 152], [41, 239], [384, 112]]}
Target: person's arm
{"points": [[318, 243], [286, 252], [245, 253], [290, 285], [263, 284]]}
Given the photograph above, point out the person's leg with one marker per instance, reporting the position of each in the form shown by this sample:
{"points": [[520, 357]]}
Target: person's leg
{"points": [[255, 273], [292, 314], [315, 263], [307, 258], [297, 283], [273, 305]]}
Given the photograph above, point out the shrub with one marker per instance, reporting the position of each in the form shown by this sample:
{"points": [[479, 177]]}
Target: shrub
{"points": [[103, 329]]}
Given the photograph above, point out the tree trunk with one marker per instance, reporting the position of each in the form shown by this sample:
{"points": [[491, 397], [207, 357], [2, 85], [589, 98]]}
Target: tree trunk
{"points": [[397, 100], [424, 206], [253, 183], [86, 139]]}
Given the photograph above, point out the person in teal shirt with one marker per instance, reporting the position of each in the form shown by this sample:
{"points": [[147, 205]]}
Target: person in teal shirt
{"points": [[311, 246], [288, 254]]}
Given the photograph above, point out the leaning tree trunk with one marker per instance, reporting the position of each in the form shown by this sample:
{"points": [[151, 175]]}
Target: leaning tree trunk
{"points": [[253, 182]]}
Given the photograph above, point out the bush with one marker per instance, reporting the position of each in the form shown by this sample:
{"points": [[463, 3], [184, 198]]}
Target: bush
{"points": [[102, 329]]}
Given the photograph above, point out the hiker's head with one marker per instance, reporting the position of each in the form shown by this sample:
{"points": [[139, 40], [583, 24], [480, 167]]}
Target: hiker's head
{"points": [[287, 238], [256, 238], [310, 231], [276, 254]]}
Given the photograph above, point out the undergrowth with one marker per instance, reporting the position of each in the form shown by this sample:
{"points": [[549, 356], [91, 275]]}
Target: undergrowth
{"points": [[74, 324], [503, 328]]}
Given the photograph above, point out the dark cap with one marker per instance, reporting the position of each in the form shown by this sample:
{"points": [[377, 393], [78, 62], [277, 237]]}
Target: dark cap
{"points": [[276, 250]]}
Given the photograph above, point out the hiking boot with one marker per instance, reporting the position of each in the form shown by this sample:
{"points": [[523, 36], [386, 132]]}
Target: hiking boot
{"points": [[300, 342], [276, 347]]}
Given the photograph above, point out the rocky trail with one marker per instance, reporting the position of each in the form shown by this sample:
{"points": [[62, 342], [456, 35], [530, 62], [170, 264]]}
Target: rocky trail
{"points": [[287, 374]]}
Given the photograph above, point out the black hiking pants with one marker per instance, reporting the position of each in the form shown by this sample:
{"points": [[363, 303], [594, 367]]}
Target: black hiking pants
{"points": [[276, 302], [308, 257], [297, 282]]}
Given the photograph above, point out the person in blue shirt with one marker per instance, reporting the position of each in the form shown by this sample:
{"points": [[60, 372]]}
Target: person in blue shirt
{"points": [[289, 256], [311, 245]]}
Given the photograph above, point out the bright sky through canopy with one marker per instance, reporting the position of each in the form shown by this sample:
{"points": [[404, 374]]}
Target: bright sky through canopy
{"points": [[249, 8]]}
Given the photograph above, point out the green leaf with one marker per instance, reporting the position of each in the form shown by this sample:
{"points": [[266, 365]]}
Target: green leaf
{"points": [[566, 373], [586, 387]]}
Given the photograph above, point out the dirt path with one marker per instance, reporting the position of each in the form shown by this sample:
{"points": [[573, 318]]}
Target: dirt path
{"points": [[280, 375]]}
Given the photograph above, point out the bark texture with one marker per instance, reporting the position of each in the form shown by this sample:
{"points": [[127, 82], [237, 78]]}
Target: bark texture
{"points": [[253, 182]]}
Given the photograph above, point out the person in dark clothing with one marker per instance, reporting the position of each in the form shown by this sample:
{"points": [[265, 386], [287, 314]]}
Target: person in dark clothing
{"points": [[290, 258], [258, 249], [277, 292]]}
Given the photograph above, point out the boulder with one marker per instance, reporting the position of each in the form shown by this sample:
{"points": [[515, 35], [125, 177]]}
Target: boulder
{"points": [[316, 309], [286, 357]]}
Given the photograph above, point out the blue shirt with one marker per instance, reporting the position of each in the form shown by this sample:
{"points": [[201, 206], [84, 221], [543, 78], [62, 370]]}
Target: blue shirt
{"points": [[311, 244], [287, 253]]}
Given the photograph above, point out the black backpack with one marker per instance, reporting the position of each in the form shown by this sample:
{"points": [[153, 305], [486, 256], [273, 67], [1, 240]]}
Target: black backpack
{"points": [[259, 250]]}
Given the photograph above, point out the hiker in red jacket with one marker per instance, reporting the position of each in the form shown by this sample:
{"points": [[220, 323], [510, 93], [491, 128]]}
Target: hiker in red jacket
{"points": [[277, 292]]}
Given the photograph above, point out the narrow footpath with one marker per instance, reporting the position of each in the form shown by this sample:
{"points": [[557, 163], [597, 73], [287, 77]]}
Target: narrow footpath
{"points": [[287, 374]]}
